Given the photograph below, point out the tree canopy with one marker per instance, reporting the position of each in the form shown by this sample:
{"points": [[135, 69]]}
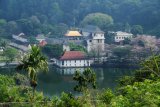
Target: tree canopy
{"points": [[137, 29], [10, 53], [98, 19], [42, 16], [53, 51]]}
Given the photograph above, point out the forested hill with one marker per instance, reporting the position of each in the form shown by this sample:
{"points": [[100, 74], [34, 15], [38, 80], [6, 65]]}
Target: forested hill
{"points": [[50, 15]]}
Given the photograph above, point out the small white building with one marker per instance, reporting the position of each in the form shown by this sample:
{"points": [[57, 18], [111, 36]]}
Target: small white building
{"points": [[73, 59], [40, 37], [20, 41], [120, 36], [20, 37], [1, 49]]}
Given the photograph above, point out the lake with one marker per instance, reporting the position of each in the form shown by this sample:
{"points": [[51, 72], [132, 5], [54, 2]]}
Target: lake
{"points": [[60, 80]]}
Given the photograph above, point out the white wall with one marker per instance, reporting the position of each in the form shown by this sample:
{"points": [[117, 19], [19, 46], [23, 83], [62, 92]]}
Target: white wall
{"points": [[98, 36], [19, 38], [95, 45], [66, 48], [73, 63], [119, 38]]}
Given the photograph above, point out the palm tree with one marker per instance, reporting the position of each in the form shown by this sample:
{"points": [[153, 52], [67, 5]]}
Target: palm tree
{"points": [[33, 63], [4, 44]]}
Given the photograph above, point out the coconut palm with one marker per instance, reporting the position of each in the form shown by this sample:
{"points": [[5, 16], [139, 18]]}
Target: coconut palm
{"points": [[33, 63], [3, 44]]}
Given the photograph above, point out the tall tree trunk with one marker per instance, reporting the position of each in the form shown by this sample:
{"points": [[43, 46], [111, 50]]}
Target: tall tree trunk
{"points": [[34, 88]]}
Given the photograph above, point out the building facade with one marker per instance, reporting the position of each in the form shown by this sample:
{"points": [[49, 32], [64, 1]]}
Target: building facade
{"points": [[73, 59], [20, 42], [20, 38], [95, 38], [73, 36], [96, 42], [120, 36], [40, 37]]}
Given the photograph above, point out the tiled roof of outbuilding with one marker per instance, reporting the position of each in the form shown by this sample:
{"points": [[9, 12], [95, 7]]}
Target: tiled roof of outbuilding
{"points": [[72, 55]]}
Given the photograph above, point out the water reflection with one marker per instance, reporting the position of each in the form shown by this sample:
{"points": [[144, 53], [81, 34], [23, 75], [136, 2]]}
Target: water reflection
{"points": [[69, 71], [61, 80]]}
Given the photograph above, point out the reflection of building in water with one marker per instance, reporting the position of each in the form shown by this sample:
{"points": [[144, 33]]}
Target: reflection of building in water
{"points": [[69, 71], [68, 78], [99, 74], [101, 77]]}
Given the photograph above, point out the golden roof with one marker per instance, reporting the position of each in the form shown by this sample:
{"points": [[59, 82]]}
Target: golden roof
{"points": [[73, 33]]}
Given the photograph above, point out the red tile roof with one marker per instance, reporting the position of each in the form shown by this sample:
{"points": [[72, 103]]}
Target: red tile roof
{"points": [[72, 55]]}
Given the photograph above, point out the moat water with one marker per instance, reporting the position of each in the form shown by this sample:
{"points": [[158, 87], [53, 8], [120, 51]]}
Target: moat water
{"points": [[61, 80]]}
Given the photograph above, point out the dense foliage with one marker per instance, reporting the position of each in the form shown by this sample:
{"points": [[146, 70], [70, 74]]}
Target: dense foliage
{"points": [[140, 90], [11, 91], [10, 53], [121, 51], [53, 51], [75, 47], [104, 21], [85, 80], [33, 17]]}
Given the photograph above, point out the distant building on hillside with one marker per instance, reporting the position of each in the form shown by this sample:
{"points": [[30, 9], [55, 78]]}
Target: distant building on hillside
{"points": [[20, 38], [73, 59], [94, 37], [40, 37], [73, 36], [20, 42], [1, 49], [120, 36], [90, 37], [42, 43]]}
